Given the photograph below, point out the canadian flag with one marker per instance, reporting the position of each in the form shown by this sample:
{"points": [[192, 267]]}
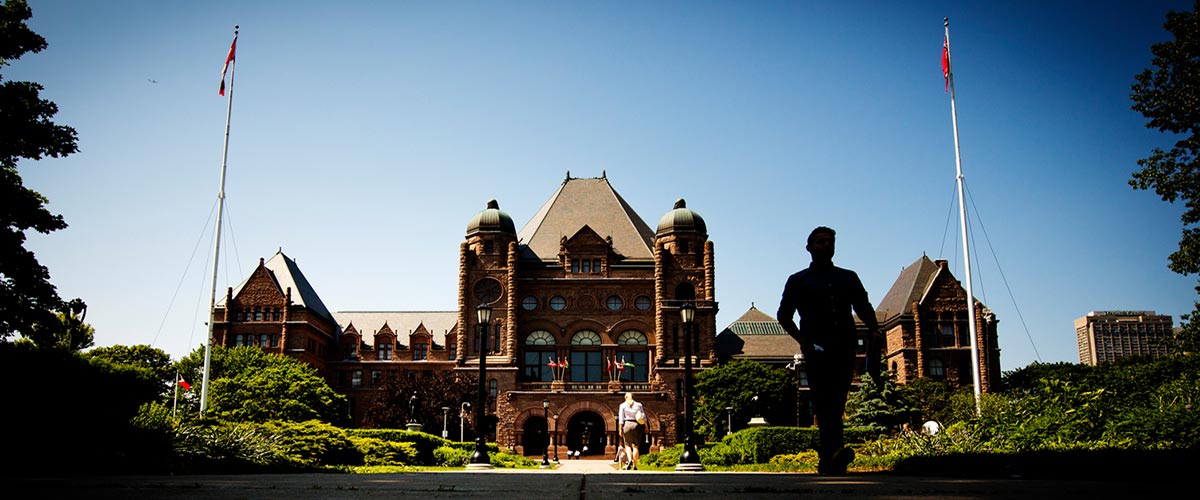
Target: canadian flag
{"points": [[945, 61], [228, 59]]}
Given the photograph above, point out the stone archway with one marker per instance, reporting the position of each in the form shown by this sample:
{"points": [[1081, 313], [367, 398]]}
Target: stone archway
{"points": [[587, 433], [535, 436]]}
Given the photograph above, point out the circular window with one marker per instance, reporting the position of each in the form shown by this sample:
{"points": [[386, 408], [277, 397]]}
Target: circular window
{"points": [[529, 303], [558, 303], [487, 290], [614, 303], [642, 303]]}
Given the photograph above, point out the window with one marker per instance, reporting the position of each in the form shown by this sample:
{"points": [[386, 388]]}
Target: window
{"points": [[595, 265], [947, 330], [376, 378], [237, 340], [496, 339], [575, 266], [257, 314], [356, 378], [275, 340], [263, 340], [936, 369], [683, 246], [803, 378], [250, 340], [489, 246], [631, 337], [540, 337], [642, 303], [275, 316], [536, 369], [558, 303], [640, 371], [585, 366], [585, 337], [529, 303], [492, 388], [585, 266], [420, 351], [615, 303], [453, 352], [385, 350]]}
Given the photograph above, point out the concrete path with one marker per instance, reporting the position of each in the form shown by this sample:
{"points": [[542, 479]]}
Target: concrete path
{"points": [[576, 479]]}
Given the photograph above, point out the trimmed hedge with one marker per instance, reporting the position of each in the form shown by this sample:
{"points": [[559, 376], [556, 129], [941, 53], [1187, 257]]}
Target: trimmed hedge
{"points": [[424, 443], [756, 445], [379, 452]]}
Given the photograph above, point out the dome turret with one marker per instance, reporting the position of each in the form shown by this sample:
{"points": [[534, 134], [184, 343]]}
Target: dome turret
{"points": [[491, 220], [682, 220]]}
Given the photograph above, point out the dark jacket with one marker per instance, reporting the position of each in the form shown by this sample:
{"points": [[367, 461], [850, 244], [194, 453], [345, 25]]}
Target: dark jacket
{"points": [[824, 296]]}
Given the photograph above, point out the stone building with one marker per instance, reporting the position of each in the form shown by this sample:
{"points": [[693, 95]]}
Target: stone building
{"points": [[924, 316], [586, 281]]}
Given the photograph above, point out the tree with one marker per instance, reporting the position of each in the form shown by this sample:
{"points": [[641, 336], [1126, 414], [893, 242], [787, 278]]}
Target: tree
{"points": [[156, 363], [390, 408], [881, 404], [27, 298], [247, 384], [1168, 96], [735, 384]]}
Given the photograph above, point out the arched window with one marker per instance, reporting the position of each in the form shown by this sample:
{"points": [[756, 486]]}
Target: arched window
{"points": [[539, 350], [238, 339], [493, 388], [263, 339], [585, 360], [496, 339], [632, 350]]}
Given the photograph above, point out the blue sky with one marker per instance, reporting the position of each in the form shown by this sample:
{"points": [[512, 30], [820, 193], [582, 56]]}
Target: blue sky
{"points": [[366, 135]]}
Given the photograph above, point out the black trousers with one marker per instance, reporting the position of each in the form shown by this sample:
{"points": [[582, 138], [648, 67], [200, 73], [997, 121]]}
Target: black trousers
{"points": [[829, 376]]}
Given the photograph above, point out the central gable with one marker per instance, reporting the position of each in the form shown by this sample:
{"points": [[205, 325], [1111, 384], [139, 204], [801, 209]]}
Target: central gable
{"points": [[586, 202]]}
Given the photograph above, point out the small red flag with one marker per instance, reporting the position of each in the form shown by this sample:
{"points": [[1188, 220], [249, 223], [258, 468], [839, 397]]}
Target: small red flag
{"points": [[228, 59], [186, 386], [946, 62]]}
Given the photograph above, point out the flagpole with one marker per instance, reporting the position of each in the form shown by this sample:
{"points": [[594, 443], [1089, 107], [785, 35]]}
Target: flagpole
{"points": [[175, 405], [212, 303], [962, 214]]}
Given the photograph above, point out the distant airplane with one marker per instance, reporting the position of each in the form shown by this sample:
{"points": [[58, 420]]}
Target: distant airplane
{"points": [[151, 81]]}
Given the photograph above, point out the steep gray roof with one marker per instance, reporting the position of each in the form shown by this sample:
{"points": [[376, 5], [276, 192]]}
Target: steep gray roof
{"points": [[402, 323], [286, 274], [595, 203], [911, 286]]}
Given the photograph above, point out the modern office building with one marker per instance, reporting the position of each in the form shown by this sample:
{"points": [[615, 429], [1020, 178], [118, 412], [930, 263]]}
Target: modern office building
{"points": [[1105, 336]]}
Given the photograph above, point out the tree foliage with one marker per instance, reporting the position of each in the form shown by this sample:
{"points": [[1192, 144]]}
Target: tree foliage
{"points": [[881, 404], [390, 408], [156, 363], [735, 384], [1168, 96], [247, 384], [27, 298]]}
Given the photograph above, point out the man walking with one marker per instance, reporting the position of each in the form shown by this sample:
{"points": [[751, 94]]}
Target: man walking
{"points": [[823, 295]]}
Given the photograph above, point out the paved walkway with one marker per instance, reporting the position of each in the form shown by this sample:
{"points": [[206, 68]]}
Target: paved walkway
{"points": [[576, 479]]}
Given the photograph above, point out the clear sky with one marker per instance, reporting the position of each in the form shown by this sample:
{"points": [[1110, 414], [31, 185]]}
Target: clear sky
{"points": [[365, 135]]}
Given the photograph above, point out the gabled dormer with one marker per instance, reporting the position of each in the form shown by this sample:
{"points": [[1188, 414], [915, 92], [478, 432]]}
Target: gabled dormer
{"points": [[586, 253], [349, 342], [420, 341], [385, 342]]}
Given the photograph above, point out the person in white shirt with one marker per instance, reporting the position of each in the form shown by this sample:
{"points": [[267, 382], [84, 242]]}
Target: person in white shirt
{"points": [[631, 413]]}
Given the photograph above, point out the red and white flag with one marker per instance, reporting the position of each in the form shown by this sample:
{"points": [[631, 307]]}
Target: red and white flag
{"points": [[228, 59], [945, 61], [185, 385]]}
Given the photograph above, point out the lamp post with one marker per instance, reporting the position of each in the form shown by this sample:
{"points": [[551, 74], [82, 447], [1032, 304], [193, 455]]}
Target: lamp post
{"points": [[555, 438], [445, 421], [462, 421], [728, 420], [545, 449], [480, 459], [690, 460]]}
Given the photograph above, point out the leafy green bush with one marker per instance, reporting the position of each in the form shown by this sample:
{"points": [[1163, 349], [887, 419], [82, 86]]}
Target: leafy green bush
{"points": [[508, 460], [667, 457], [316, 443], [759, 444], [224, 447], [719, 454], [451, 456], [379, 452], [807, 460]]}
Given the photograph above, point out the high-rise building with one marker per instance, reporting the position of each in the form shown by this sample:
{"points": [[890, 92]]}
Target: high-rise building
{"points": [[1105, 336]]}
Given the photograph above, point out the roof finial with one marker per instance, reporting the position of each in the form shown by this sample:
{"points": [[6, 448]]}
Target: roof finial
{"points": [[493, 204], [604, 174], [680, 203]]}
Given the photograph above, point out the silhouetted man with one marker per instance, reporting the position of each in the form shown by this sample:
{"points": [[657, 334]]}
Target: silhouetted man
{"points": [[823, 295]]}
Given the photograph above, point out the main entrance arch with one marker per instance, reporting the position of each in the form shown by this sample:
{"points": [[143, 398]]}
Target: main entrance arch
{"points": [[586, 433], [535, 436]]}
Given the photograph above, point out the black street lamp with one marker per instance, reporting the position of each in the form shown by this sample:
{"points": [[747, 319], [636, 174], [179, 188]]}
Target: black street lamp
{"points": [[445, 421], [728, 420], [545, 449], [690, 460], [480, 459], [555, 438]]}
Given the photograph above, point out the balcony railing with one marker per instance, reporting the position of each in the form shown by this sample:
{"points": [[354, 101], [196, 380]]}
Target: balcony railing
{"points": [[584, 386]]}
